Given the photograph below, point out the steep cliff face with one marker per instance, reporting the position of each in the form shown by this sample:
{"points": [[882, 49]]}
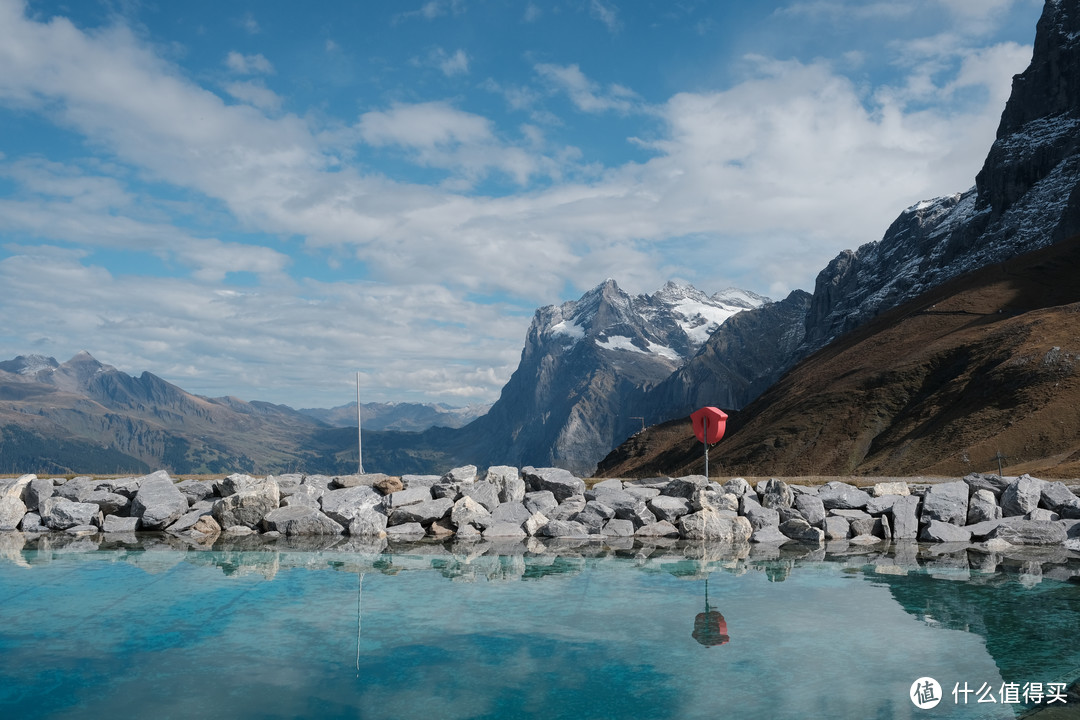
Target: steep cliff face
{"points": [[746, 355], [584, 367], [1026, 196]]}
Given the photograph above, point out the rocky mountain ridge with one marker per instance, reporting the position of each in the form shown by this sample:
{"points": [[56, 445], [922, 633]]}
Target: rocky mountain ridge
{"points": [[583, 368]]}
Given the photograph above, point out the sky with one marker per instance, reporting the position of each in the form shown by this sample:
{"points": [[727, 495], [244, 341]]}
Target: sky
{"points": [[261, 199]]}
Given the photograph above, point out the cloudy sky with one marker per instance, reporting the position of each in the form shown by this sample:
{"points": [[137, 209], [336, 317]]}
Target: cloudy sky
{"points": [[262, 198]]}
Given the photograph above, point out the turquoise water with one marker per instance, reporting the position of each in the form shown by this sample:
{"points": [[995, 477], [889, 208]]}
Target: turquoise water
{"points": [[152, 630]]}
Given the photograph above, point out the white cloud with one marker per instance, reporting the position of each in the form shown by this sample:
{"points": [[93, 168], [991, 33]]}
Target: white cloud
{"points": [[248, 64], [606, 13], [256, 94], [456, 64], [442, 136], [587, 95], [761, 183], [317, 335], [250, 24]]}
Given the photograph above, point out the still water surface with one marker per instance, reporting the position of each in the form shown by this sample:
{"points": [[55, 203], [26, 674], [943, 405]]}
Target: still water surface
{"points": [[431, 631]]}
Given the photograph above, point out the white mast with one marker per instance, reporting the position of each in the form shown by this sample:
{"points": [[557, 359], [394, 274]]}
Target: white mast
{"points": [[359, 437]]}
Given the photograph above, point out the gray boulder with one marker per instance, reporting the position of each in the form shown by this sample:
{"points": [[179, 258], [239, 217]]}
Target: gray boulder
{"points": [[708, 524], [737, 487], [661, 528], [408, 496], [881, 489], [246, 507], [12, 510], [1021, 496], [420, 480], [770, 535], [642, 493], [905, 520], [1054, 496], [466, 510], [306, 495], [158, 503], [114, 524], [512, 512], [345, 505], [686, 487], [640, 515], [617, 499], [16, 487], [508, 480], [464, 474], [668, 508], [760, 517], [195, 490], [836, 527], [358, 479], [947, 502], [483, 492], [109, 503], [300, 520], [540, 501], [504, 531], [367, 522], [568, 508], [536, 521], [1030, 532], [812, 509], [837, 495], [560, 483], [35, 491], [881, 504], [982, 506], [618, 528], [59, 513], [994, 483], [424, 513], [232, 484], [713, 497], [777, 494], [594, 516], [562, 529], [940, 531], [801, 531], [31, 523], [78, 488]]}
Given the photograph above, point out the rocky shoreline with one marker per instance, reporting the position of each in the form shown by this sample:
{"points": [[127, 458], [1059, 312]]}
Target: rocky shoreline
{"points": [[506, 503]]}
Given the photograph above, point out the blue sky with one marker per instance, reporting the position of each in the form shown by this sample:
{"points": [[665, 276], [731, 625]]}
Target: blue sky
{"points": [[262, 198]]}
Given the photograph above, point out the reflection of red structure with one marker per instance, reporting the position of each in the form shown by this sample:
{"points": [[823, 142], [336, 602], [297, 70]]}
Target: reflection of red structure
{"points": [[709, 424], [710, 627]]}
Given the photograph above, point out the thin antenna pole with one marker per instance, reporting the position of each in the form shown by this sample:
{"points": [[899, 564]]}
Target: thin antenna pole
{"points": [[705, 436], [359, 435]]}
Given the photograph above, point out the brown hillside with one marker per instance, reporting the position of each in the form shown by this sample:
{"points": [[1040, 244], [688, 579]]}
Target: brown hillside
{"points": [[988, 362]]}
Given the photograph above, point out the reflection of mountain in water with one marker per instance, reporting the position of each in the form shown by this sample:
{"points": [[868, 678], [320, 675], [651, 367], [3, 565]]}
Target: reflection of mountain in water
{"points": [[1029, 628]]}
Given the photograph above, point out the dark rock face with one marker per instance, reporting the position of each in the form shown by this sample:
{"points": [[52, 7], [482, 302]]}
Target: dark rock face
{"points": [[746, 355], [1026, 196], [584, 369]]}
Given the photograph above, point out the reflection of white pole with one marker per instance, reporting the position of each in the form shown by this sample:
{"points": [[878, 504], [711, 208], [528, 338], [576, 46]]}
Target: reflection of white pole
{"points": [[359, 437], [359, 594]]}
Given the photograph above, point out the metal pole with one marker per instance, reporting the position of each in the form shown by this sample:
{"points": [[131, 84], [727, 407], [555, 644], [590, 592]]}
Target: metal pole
{"points": [[359, 435], [705, 441]]}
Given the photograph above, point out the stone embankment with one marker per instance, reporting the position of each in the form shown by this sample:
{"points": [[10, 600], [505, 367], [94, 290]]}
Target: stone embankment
{"points": [[508, 503]]}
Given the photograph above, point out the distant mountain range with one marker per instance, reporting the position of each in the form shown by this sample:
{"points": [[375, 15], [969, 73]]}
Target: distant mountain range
{"points": [[409, 417]]}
